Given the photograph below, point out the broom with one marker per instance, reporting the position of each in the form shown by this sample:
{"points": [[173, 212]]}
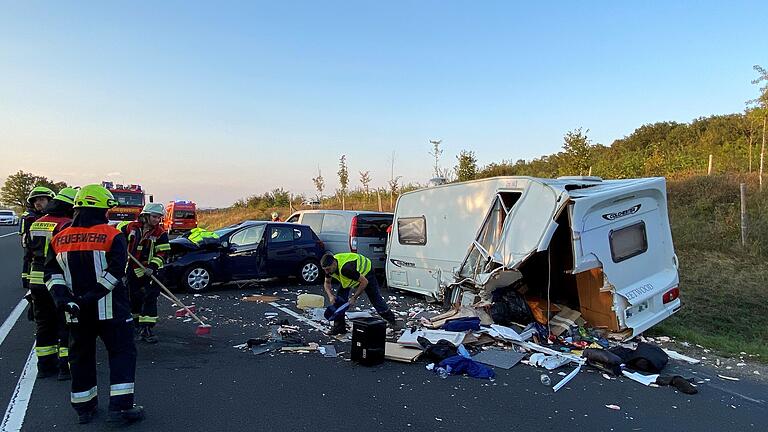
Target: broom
{"points": [[203, 328]]}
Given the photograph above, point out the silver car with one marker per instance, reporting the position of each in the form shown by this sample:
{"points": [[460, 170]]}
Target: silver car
{"points": [[8, 217], [363, 232]]}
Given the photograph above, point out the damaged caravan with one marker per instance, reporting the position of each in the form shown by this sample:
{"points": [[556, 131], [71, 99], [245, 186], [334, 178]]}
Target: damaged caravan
{"points": [[600, 247]]}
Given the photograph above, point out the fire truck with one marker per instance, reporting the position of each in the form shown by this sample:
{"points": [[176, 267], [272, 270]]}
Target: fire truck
{"points": [[131, 198], [180, 216]]}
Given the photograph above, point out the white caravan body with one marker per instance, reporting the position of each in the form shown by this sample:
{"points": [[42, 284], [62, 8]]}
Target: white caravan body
{"points": [[611, 234]]}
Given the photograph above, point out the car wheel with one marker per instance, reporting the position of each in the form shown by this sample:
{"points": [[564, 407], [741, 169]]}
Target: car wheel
{"points": [[310, 272], [196, 278]]}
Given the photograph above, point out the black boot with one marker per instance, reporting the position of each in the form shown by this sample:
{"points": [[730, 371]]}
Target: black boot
{"points": [[389, 316], [46, 373], [87, 416], [130, 415], [339, 327], [64, 374], [148, 336]]}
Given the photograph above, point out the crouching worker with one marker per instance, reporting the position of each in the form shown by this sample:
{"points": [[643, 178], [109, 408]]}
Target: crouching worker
{"points": [[148, 243], [83, 270], [350, 270]]}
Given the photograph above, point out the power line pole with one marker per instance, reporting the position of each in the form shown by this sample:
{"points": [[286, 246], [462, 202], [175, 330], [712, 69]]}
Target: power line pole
{"points": [[436, 153]]}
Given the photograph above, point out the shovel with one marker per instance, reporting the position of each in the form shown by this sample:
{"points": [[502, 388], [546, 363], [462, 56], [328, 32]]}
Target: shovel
{"points": [[203, 328]]}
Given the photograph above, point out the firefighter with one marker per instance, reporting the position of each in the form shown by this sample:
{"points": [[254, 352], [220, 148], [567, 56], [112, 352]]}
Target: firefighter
{"points": [[52, 335], [84, 270], [148, 242], [352, 271], [37, 200]]}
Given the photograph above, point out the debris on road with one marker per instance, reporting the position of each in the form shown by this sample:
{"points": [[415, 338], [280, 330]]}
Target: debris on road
{"points": [[260, 299], [728, 378]]}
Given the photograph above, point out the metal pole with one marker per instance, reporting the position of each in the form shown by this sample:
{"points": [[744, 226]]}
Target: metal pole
{"points": [[762, 155], [378, 195], [709, 169], [743, 193]]}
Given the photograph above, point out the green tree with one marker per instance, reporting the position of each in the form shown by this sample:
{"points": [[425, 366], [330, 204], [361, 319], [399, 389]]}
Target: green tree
{"points": [[343, 180], [319, 182], [280, 198], [577, 153], [17, 187], [466, 167], [761, 110], [365, 180]]}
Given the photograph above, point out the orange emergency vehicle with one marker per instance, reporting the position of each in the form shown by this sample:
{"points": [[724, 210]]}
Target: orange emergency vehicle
{"points": [[131, 200], [180, 216]]}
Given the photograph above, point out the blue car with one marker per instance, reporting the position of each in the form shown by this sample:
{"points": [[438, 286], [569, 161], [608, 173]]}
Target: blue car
{"points": [[246, 251]]}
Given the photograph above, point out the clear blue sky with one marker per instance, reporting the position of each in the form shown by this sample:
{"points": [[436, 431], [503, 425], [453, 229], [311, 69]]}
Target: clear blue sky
{"points": [[218, 100]]}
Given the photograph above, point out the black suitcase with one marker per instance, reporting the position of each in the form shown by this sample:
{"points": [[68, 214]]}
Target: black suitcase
{"points": [[368, 340]]}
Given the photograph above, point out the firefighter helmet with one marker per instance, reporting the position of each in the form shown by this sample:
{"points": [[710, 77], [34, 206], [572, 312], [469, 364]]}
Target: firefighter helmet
{"points": [[95, 196], [40, 191], [67, 195], [154, 209]]}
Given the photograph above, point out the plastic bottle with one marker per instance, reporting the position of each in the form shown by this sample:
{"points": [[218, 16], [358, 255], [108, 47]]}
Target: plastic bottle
{"points": [[442, 372], [546, 380]]}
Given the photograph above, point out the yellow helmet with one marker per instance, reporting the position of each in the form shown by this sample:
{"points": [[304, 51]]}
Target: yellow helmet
{"points": [[67, 195], [40, 191], [95, 196]]}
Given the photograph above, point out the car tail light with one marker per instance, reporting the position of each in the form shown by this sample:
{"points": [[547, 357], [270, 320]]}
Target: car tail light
{"points": [[353, 235], [671, 295]]}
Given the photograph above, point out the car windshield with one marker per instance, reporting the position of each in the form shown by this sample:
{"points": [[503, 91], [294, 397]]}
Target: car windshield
{"points": [[183, 214], [224, 231], [129, 199]]}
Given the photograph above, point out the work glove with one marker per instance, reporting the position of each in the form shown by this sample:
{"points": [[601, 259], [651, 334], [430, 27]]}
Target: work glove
{"points": [[139, 271], [72, 309], [148, 272]]}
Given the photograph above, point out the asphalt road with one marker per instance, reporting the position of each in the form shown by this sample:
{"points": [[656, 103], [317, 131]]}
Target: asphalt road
{"points": [[187, 382]]}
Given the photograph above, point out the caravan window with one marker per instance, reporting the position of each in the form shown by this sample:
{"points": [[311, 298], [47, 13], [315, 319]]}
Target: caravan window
{"points": [[412, 231], [628, 242]]}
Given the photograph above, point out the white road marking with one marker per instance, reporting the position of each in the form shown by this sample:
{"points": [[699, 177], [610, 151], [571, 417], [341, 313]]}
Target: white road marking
{"points": [[9, 234], [11, 320], [297, 316], [17, 407]]}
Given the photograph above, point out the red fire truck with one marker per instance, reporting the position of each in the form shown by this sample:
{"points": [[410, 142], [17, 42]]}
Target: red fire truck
{"points": [[180, 216], [131, 198]]}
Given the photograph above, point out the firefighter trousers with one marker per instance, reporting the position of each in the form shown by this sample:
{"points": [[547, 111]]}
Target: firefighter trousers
{"points": [[117, 336], [52, 335], [26, 266], [144, 293]]}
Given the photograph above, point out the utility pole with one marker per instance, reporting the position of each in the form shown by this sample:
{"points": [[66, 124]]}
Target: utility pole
{"points": [[762, 152], [436, 153]]}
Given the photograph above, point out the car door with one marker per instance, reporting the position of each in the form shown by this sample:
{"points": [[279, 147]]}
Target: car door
{"points": [[282, 258], [334, 233], [246, 253]]}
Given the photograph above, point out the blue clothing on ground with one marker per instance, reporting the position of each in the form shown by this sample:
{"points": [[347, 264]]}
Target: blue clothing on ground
{"points": [[460, 365]]}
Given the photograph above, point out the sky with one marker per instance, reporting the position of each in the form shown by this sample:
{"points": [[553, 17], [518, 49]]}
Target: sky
{"points": [[214, 101]]}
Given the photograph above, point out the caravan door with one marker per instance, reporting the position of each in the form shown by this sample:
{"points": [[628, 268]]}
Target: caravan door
{"points": [[512, 233], [626, 232]]}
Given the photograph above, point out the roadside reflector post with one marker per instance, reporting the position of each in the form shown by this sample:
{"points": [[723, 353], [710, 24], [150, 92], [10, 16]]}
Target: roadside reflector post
{"points": [[709, 169], [743, 193]]}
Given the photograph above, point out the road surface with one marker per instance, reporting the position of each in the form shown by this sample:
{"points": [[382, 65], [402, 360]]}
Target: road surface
{"points": [[196, 383]]}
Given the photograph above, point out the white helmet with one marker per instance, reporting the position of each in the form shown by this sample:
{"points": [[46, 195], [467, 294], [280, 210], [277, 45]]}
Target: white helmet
{"points": [[154, 209]]}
